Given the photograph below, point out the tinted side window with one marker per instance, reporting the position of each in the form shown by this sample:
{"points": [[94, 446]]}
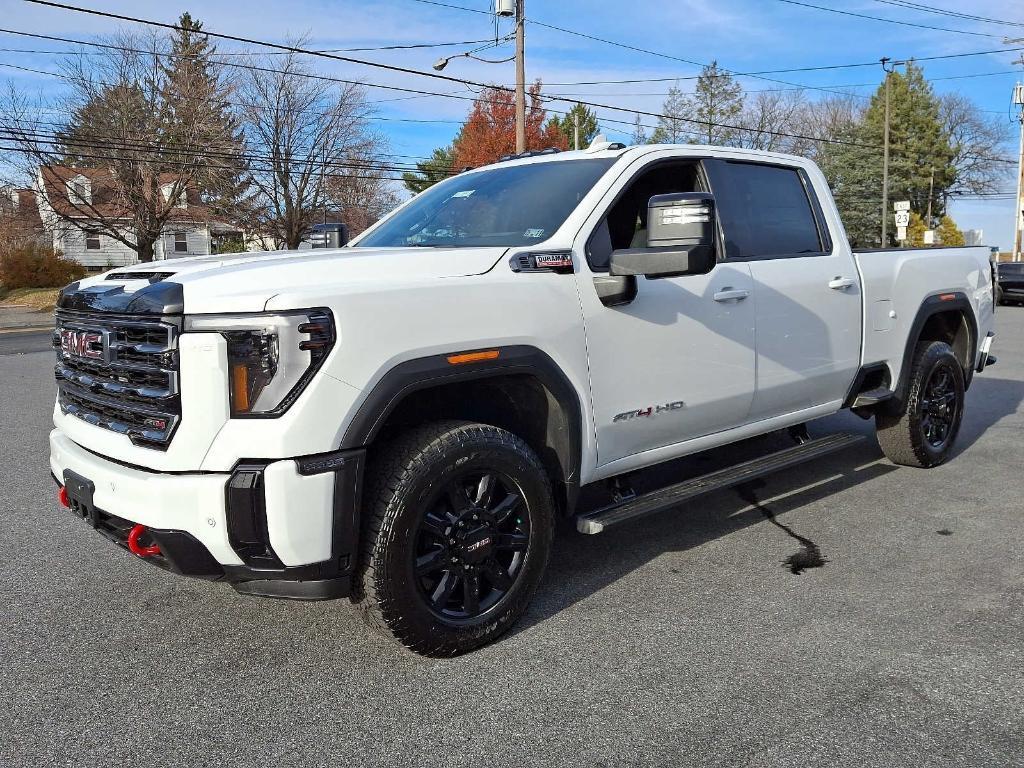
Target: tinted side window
{"points": [[764, 210]]}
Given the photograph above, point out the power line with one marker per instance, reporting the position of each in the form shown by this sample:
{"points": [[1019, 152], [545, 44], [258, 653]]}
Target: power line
{"points": [[406, 70], [139, 152], [916, 59], [250, 67], [725, 72], [422, 94], [456, 7], [336, 57], [888, 21], [5, 148], [246, 105], [252, 41], [470, 83], [134, 145], [944, 12], [407, 47]]}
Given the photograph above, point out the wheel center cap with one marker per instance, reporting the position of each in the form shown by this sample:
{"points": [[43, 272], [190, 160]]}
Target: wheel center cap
{"points": [[477, 544]]}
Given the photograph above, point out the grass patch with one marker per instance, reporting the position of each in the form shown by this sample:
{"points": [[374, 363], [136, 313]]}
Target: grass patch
{"points": [[35, 298]]}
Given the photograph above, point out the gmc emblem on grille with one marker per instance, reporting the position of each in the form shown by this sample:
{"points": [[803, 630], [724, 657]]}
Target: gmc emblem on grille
{"points": [[91, 345]]}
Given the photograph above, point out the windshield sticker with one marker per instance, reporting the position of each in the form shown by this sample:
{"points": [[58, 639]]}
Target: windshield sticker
{"points": [[533, 233], [464, 193]]}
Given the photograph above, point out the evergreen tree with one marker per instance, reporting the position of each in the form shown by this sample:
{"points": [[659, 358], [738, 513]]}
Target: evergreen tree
{"points": [[639, 134], [195, 111], [153, 112], [917, 144], [429, 172], [673, 123], [717, 102], [854, 173], [567, 125], [917, 141]]}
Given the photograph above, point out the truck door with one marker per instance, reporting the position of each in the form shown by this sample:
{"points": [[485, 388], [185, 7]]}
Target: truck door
{"points": [[806, 285], [677, 360]]}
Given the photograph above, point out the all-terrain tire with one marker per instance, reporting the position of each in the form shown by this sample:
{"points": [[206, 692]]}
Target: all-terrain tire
{"points": [[906, 436], [406, 479]]}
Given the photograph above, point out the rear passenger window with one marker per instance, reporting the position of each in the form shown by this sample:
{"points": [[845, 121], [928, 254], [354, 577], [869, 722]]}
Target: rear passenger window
{"points": [[764, 210]]}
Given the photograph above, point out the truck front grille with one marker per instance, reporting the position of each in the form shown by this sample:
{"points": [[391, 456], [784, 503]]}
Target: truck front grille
{"points": [[120, 372]]}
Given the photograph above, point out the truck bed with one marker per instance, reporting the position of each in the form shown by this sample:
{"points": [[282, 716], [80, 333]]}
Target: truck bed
{"points": [[897, 281]]}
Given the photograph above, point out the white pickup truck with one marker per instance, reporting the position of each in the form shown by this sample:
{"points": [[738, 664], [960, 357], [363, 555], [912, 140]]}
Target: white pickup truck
{"points": [[402, 420]]}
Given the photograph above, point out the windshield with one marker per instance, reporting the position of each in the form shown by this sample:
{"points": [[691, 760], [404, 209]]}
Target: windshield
{"points": [[511, 206]]}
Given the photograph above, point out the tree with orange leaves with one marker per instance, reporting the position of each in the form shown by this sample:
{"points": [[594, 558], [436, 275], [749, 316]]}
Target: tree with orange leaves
{"points": [[490, 130]]}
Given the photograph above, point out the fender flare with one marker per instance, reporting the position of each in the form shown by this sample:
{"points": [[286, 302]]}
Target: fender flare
{"points": [[435, 370], [934, 304]]}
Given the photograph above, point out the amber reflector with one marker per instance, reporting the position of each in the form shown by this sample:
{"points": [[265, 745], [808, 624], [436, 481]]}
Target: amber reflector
{"points": [[473, 357], [240, 387]]}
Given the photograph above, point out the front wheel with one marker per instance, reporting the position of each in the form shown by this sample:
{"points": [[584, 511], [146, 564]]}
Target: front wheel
{"points": [[922, 432], [458, 528]]}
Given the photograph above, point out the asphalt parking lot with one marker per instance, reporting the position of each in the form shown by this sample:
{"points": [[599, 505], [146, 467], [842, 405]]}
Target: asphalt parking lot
{"points": [[685, 639]]}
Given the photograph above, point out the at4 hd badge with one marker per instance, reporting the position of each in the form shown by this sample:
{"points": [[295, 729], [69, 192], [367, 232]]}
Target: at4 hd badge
{"points": [[651, 410]]}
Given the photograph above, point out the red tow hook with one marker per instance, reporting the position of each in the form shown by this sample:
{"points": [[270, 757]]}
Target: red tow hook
{"points": [[62, 497], [133, 543]]}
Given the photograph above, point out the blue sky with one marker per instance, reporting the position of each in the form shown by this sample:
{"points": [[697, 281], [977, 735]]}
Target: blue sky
{"points": [[743, 35]]}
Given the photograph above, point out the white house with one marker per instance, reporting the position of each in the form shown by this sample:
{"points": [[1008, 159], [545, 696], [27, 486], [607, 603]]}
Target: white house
{"points": [[90, 194]]}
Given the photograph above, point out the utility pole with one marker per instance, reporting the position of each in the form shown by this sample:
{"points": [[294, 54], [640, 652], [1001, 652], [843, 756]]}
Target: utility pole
{"points": [[520, 77], [575, 130], [885, 159], [931, 188], [888, 65], [1018, 214]]}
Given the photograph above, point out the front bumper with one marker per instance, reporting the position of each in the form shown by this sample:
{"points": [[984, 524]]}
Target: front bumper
{"points": [[275, 528]]}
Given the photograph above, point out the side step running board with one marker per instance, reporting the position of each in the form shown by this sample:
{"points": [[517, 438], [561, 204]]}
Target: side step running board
{"points": [[663, 498]]}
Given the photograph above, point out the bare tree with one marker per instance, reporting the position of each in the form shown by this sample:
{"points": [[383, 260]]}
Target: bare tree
{"points": [[362, 195], [977, 143], [770, 115], [137, 121], [304, 131], [827, 119]]}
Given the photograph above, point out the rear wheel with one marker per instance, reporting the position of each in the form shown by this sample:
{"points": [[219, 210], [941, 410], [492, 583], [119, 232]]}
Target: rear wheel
{"points": [[922, 433], [459, 522]]}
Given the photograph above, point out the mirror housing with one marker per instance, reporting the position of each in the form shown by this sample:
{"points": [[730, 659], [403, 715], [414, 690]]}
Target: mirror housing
{"points": [[680, 238]]}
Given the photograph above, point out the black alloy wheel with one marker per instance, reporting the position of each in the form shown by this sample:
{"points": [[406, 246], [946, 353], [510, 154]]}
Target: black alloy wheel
{"points": [[939, 406], [458, 520], [471, 544], [919, 428]]}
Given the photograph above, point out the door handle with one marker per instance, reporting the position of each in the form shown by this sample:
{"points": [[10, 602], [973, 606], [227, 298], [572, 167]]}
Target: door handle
{"points": [[841, 283], [731, 294]]}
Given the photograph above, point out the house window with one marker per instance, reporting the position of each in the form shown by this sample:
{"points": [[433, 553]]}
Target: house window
{"points": [[180, 242], [180, 202], [78, 191], [92, 240]]}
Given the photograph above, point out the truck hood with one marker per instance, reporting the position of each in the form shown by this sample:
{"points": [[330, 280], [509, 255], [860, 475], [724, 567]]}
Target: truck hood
{"points": [[245, 282]]}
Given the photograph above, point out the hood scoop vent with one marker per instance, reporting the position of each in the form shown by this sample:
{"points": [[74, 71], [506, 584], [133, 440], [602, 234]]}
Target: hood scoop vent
{"points": [[153, 277]]}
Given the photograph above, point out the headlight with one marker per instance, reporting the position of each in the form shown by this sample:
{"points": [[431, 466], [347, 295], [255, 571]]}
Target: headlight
{"points": [[271, 357]]}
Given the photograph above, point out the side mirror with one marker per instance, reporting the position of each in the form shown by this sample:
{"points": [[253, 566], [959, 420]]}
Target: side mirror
{"points": [[680, 238]]}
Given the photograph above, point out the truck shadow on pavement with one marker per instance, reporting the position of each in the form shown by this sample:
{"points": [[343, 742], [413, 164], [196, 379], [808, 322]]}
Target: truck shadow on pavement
{"points": [[583, 565], [989, 400]]}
